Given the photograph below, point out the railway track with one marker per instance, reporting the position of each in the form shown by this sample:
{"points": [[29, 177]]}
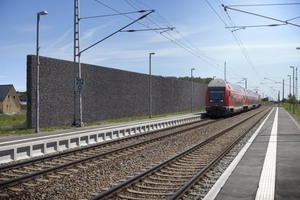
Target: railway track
{"points": [[174, 177], [75, 168], [19, 172]]}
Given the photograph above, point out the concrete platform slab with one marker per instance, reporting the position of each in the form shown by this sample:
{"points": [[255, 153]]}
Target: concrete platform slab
{"points": [[245, 179], [28, 146]]}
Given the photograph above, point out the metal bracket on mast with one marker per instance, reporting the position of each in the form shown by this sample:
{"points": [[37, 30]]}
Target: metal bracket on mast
{"points": [[79, 81]]}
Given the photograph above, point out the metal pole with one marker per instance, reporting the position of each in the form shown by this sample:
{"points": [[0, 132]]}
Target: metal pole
{"points": [[293, 90], [296, 78], [290, 82], [296, 95], [282, 90], [293, 87], [290, 89], [77, 66], [192, 89], [75, 54], [80, 93], [150, 86], [37, 121], [78, 112]]}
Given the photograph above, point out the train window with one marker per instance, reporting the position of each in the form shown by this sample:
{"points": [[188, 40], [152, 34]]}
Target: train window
{"points": [[216, 95]]}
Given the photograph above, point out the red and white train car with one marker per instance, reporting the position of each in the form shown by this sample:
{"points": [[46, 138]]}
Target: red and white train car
{"points": [[223, 98]]}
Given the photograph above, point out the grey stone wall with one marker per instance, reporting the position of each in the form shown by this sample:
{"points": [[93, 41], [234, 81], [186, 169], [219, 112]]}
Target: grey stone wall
{"points": [[107, 93]]}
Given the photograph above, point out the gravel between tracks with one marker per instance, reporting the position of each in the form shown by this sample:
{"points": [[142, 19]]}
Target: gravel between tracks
{"points": [[81, 182], [205, 184]]}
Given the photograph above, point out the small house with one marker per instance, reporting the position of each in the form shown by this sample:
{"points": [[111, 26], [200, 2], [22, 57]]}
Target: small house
{"points": [[9, 99]]}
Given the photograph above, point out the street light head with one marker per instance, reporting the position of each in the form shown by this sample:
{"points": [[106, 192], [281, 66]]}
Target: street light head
{"points": [[291, 66], [298, 48], [152, 53], [193, 69], [44, 12]]}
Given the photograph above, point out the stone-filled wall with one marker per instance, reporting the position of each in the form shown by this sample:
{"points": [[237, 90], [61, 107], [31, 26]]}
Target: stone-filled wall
{"points": [[107, 94]]}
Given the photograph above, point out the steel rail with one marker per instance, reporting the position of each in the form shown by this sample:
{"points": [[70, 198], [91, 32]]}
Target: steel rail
{"points": [[84, 148], [117, 188], [192, 182], [16, 180]]}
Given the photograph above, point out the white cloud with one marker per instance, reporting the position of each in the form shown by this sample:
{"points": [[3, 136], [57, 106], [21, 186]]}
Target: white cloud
{"points": [[91, 32], [59, 41]]}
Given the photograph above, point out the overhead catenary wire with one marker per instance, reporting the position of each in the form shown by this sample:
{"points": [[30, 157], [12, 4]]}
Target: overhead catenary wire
{"points": [[242, 48], [270, 4], [284, 22], [157, 21], [236, 37], [186, 47], [134, 21], [216, 12], [259, 15], [253, 26], [111, 15], [293, 18], [180, 41], [189, 46], [226, 20]]}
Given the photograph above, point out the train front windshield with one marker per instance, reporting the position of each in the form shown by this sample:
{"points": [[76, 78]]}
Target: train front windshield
{"points": [[216, 95]]}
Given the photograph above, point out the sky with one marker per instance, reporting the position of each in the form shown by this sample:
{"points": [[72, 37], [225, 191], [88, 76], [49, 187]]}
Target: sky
{"points": [[253, 40]]}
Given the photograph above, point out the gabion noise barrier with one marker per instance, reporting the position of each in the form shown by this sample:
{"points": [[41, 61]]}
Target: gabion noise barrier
{"points": [[107, 94]]}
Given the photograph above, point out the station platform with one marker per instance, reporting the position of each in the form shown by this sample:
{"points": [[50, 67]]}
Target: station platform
{"points": [[13, 148], [268, 167]]}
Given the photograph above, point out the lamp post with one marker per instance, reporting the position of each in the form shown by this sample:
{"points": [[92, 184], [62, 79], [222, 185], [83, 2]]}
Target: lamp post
{"points": [[282, 91], [290, 88], [296, 84], [37, 103], [150, 86], [192, 89], [293, 88], [290, 82], [298, 48]]}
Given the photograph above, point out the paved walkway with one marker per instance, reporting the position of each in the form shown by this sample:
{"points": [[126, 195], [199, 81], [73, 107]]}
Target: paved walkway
{"points": [[270, 167]]}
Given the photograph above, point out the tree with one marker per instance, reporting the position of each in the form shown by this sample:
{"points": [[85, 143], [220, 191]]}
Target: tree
{"points": [[22, 96], [196, 79], [291, 99]]}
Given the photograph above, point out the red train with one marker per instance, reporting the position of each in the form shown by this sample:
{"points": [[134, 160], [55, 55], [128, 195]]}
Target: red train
{"points": [[223, 98]]}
